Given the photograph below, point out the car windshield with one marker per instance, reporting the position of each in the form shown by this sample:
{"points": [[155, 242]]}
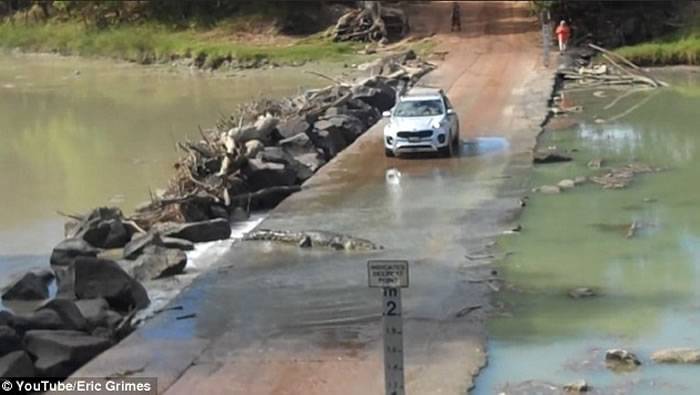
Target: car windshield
{"points": [[419, 108]]}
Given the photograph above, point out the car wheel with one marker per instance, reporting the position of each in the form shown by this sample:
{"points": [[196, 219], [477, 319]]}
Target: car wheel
{"points": [[388, 153], [445, 151]]}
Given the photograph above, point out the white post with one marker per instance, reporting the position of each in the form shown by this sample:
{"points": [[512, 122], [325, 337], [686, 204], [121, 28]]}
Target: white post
{"points": [[393, 342]]}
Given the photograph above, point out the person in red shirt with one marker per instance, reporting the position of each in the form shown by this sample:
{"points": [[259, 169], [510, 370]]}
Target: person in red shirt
{"points": [[563, 33]]}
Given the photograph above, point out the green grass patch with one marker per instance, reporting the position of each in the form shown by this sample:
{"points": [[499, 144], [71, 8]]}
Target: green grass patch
{"points": [[682, 47], [147, 43]]}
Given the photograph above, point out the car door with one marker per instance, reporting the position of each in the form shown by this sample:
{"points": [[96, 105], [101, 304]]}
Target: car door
{"points": [[452, 119]]}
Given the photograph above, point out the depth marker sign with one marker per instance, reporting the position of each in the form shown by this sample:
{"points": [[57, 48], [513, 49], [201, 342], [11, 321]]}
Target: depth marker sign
{"points": [[391, 276]]}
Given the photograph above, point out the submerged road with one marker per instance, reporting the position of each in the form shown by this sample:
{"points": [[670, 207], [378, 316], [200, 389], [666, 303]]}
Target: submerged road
{"points": [[285, 320]]}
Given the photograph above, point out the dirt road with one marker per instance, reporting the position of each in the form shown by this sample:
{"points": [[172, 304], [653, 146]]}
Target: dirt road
{"points": [[282, 320]]}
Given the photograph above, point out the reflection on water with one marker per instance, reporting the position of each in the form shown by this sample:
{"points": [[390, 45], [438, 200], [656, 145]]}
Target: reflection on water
{"points": [[76, 134], [649, 284]]}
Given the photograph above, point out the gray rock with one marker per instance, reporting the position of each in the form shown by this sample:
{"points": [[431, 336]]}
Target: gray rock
{"points": [[68, 312], [66, 251], [60, 353], [330, 141], [293, 127], [262, 130], [380, 96], [158, 262], [9, 340], [279, 155], [566, 184], [42, 319], [32, 286], [261, 175], [16, 364], [582, 292], [312, 160], [104, 228], [577, 387], [98, 278], [139, 242], [618, 359], [300, 143], [93, 310], [548, 190], [677, 355], [252, 148], [580, 180], [196, 232]]}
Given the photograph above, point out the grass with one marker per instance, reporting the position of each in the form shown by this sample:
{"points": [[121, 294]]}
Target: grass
{"points": [[149, 43], [682, 47]]}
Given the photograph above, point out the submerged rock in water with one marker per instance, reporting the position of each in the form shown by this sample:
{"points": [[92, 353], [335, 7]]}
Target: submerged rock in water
{"points": [[566, 184], [677, 355], [548, 189], [542, 157], [196, 232], [577, 387], [619, 359], [582, 292]]}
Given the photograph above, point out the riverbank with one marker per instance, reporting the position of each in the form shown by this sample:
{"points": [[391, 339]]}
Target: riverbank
{"points": [[680, 48]]}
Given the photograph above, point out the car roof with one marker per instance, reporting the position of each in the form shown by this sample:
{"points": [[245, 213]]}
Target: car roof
{"points": [[421, 93]]}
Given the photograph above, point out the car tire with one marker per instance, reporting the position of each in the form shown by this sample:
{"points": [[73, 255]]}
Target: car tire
{"points": [[389, 153], [445, 151]]}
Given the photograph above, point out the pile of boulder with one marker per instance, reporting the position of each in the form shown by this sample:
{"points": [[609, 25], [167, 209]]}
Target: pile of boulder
{"points": [[262, 153], [251, 160]]}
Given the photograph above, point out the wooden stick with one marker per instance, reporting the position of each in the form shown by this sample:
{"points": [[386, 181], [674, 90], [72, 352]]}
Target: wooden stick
{"points": [[627, 62]]}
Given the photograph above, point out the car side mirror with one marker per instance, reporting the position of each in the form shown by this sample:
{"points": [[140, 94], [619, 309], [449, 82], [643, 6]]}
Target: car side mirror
{"points": [[450, 111], [386, 114]]}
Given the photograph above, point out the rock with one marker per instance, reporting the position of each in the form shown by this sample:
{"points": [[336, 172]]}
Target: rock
{"points": [[93, 310], [196, 232], [60, 353], [577, 386], [582, 292], [279, 155], [239, 214], [618, 359], [293, 127], [312, 160], [32, 286], [66, 251], [261, 175], [252, 148], [595, 163], [143, 240], [297, 144], [68, 312], [330, 141], [580, 180], [158, 262], [16, 364], [542, 157], [379, 95], [104, 228], [677, 355], [42, 319], [566, 184], [349, 126], [9, 340], [98, 278], [548, 190]]}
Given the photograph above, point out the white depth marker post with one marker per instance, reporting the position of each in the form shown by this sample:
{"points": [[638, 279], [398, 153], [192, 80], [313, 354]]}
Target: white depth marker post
{"points": [[391, 276]]}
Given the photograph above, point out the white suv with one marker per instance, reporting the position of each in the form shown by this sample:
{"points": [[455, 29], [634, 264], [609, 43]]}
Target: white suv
{"points": [[422, 121]]}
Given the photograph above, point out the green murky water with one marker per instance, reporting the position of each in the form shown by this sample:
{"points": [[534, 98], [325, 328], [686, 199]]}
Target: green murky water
{"points": [[78, 133], [650, 284]]}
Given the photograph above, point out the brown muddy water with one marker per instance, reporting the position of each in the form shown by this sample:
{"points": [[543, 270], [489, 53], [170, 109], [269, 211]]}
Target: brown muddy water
{"points": [[649, 284], [76, 133]]}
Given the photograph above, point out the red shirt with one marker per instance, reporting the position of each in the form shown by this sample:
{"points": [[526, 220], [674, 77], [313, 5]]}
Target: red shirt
{"points": [[564, 32]]}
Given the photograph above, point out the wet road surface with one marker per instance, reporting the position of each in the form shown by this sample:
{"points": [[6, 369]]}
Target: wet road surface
{"points": [[277, 319]]}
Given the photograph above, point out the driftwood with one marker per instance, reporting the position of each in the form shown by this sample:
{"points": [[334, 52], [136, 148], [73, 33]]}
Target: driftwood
{"points": [[373, 22]]}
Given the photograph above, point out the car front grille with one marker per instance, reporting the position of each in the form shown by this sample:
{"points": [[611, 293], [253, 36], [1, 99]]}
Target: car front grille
{"points": [[420, 134]]}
